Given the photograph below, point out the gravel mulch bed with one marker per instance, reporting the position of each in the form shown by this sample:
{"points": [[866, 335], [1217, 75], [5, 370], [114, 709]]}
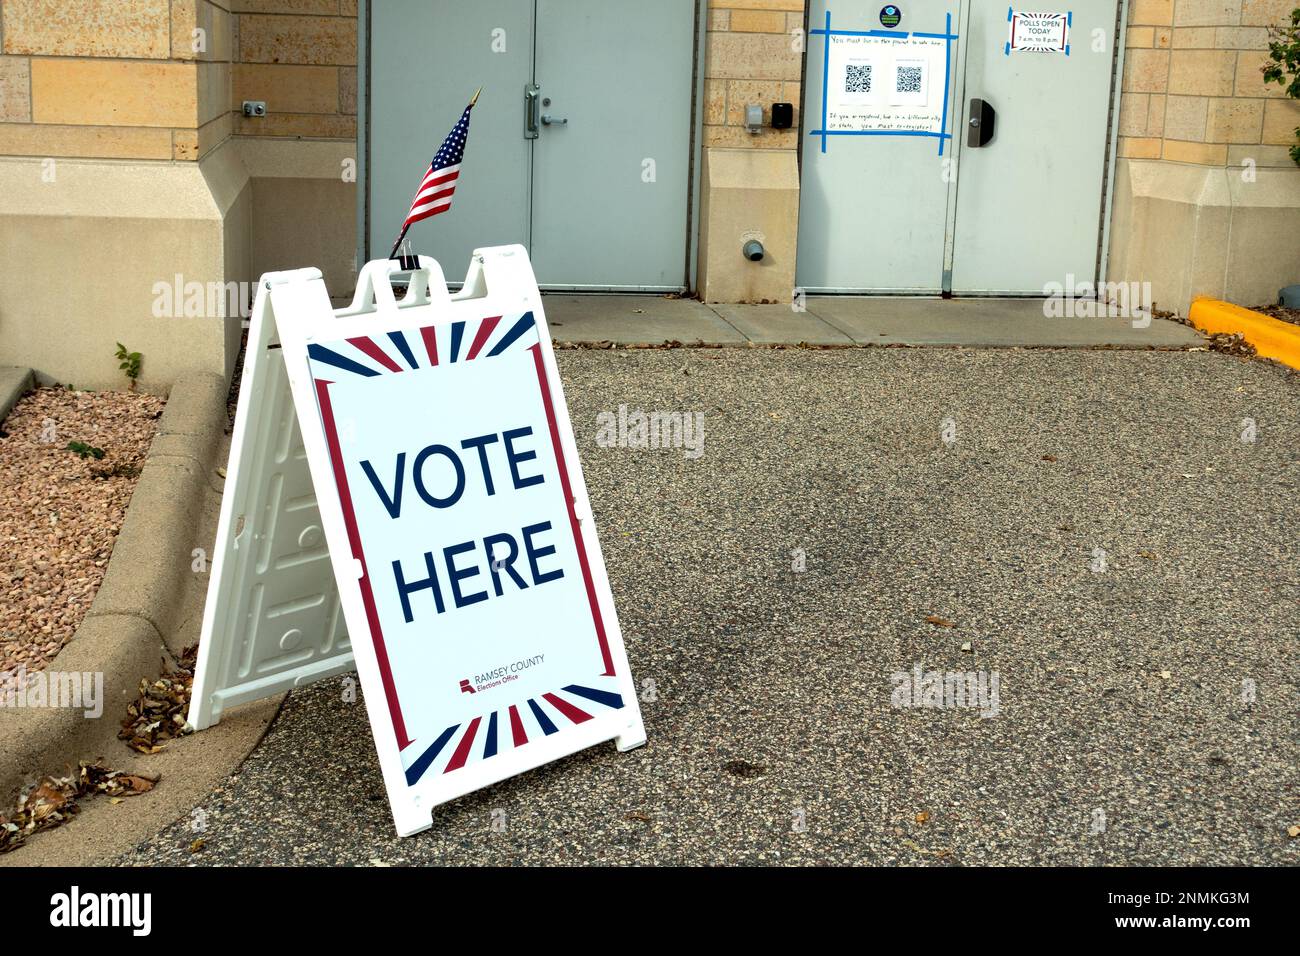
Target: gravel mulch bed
{"points": [[60, 510]]}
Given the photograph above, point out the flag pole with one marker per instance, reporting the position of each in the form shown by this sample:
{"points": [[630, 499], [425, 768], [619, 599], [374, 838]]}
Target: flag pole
{"points": [[402, 235]]}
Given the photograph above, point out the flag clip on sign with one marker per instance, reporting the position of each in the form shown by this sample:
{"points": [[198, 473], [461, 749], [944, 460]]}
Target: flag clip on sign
{"points": [[456, 520]]}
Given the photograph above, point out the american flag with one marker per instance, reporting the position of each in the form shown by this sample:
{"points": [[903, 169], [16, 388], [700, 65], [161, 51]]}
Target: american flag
{"points": [[435, 192]]}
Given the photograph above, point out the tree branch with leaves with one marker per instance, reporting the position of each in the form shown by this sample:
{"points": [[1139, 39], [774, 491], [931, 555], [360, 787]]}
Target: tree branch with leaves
{"points": [[1284, 52]]}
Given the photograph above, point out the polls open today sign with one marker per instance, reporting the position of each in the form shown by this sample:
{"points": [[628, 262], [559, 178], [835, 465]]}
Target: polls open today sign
{"points": [[459, 531]]}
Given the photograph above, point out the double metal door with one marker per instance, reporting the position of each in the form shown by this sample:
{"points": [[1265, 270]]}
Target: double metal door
{"points": [[579, 146], [1003, 195]]}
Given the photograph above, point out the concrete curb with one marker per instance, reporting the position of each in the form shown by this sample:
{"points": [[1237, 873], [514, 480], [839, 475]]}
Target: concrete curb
{"points": [[123, 635], [1271, 337], [14, 384]]}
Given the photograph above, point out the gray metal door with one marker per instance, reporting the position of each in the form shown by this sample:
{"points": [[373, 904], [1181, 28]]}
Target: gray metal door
{"points": [[611, 184], [873, 201], [1029, 203], [910, 210], [427, 58], [592, 173]]}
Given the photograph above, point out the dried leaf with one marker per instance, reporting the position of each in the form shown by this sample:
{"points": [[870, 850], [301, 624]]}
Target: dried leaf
{"points": [[158, 712], [923, 816], [53, 800], [938, 621]]}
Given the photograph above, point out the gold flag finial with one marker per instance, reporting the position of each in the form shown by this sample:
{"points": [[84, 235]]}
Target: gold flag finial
{"points": [[475, 97]]}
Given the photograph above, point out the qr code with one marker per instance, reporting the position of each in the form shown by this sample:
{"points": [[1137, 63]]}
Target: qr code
{"points": [[857, 79], [909, 79]]}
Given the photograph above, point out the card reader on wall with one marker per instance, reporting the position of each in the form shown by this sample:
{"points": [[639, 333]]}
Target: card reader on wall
{"points": [[782, 115]]}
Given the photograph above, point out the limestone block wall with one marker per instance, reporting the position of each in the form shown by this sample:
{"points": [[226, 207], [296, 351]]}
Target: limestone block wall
{"points": [[1193, 92], [300, 58], [117, 175], [1206, 200], [114, 79], [144, 98], [754, 55]]}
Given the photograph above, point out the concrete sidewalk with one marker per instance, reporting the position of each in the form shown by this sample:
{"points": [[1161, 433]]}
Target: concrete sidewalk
{"points": [[848, 321]]}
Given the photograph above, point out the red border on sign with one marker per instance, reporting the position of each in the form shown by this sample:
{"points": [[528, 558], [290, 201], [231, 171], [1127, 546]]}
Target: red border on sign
{"points": [[354, 539], [573, 515]]}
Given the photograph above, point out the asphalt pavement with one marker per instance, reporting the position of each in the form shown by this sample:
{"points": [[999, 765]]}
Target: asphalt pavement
{"points": [[1111, 535]]}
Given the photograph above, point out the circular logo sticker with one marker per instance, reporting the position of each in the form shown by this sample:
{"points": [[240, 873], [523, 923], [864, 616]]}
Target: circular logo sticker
{"points": [[890, 16]]}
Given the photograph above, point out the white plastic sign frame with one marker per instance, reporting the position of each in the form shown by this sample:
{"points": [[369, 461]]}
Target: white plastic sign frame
{"points": [[448, 487]]}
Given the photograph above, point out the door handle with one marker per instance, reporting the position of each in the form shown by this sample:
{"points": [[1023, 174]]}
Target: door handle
{"points": [[980, 123], [532, 92], [549, 120]]}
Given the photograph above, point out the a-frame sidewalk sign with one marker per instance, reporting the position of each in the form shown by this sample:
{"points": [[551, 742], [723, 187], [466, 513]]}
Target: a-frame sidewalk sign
{"points": [[404, 489]]}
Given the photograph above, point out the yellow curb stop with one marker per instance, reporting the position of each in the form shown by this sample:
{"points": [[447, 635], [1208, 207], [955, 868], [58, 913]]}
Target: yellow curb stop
{"points": [[1271, 337]]}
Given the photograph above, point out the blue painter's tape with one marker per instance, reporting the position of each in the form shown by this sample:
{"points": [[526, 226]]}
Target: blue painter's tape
{"points": [[947, 75], [860, 33], [1067, 49], [947, 36], [1009, 14], [826, 74], [1006, 50], [1069, 18]]}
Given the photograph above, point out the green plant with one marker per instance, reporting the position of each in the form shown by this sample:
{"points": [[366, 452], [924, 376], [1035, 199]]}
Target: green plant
{"points": [[130, 363], [85, 451], [1284, 51]]}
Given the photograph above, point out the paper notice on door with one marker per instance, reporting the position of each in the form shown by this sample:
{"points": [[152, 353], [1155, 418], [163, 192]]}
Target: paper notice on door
{"points": [[880, 83], [1038, 33]]}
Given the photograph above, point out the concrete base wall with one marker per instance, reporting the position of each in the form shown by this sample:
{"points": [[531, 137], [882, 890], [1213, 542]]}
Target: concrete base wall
{"points": [[305, 209], [90, 251], [748, 193], [1203, 230]]}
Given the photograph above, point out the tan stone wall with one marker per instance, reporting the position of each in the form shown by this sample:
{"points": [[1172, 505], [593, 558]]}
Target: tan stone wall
{"points": [[1193, 92], [114, 79], [755, 55], [300, 56], [1206, 199], [166, 79]]}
